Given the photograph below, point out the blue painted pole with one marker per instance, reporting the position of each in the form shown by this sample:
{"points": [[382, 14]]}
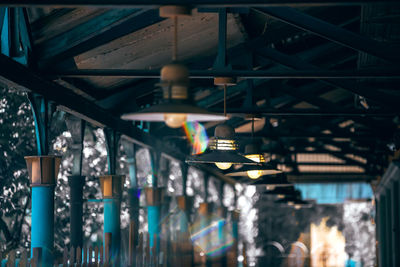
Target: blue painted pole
{"points": [[153, 218], [42, 229], [112, 225]]}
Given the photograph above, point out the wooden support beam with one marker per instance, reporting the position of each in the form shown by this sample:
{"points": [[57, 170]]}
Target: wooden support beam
{"points": [[244, 74], [333, 32], [201, 3]]}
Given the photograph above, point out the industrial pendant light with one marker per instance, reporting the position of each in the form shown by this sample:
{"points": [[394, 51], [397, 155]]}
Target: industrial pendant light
{"points": [[281, 192], [222, 150], [222, 147], [254, 172], [270, 183], [295, 201], [176, 105]]}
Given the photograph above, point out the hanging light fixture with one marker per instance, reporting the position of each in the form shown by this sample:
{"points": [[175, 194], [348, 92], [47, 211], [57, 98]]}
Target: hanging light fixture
{"points": [[255, 171], [281, 192], [295, 201], [270, 183], [176, 105], [222, 150]]}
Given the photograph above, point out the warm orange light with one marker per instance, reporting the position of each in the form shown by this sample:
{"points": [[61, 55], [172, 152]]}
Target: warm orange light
{"points": [[223, 165]]}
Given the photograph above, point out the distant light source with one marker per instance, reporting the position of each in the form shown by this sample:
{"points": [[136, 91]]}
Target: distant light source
{"points": [[222, 150], [258, 170]]}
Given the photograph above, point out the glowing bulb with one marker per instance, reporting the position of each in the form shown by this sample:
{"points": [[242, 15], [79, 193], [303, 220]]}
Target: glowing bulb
{"points": [[254, 174], [223, 165], [290, 203], [297, 206], [174, 120], [280, 196]]}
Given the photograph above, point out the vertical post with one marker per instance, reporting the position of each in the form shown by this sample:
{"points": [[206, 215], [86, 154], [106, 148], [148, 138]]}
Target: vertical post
{"points": [[76, 181], [153, 197], [43, 172], [111, 186], [133, 191], [395, 223], [389, 231], [382, 230]]}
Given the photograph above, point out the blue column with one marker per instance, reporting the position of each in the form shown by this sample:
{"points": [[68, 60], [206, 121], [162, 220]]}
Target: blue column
{"points": [[112, 225], [153, 219], [42, 229]]}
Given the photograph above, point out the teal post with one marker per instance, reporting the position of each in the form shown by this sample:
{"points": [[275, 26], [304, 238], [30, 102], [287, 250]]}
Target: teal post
{"points": [[153, 197], [112, 224], [111, 188], [42, 227], [153, 217], [43, 171]]}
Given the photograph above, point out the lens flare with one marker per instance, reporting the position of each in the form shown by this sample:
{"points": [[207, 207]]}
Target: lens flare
{"points": [[212, 235], [197, 136]]}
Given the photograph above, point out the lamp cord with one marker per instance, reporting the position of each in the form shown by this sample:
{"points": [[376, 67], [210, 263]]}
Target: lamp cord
{"points": [[175, 42], [225, 100], [252, 128]]}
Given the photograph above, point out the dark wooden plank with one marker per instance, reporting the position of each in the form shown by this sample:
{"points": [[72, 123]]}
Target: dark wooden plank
{"points": [[96, 32], [202, 3]]}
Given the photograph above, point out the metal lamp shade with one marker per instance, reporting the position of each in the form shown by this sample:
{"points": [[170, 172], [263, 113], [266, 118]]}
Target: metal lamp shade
{"points": [[270, 182], [157, 113], [263, 169], [216, 156]]}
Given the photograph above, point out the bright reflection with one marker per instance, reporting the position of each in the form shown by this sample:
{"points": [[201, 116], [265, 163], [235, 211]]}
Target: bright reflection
{"points": [[174, 120], [211, 235], [197, 136]]}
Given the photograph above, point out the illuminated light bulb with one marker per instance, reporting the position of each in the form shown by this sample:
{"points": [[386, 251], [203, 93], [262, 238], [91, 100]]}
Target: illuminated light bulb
{"points": [[271, 187], [174, 120], [297, 206], [254, 174], [223, 165], [280, 196], [290, 203]]}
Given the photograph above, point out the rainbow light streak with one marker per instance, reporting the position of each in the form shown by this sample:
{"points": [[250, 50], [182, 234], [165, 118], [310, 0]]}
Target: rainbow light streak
{"points": [[218, 250], [197, 136], [206, 230]]}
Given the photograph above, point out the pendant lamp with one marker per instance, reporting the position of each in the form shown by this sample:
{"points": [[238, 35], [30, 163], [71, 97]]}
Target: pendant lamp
{"points": [[222, 150], [270, 183], [281, 192], [176, 104], [295, 201], [255, 171]]}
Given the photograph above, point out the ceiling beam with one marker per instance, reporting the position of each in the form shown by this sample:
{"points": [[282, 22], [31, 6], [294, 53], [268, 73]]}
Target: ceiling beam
{"points": [[71, 102], [330, 177], [98, 31], [244, 74], [333, 32], [198, 3], [299, 64], [298, 112]]}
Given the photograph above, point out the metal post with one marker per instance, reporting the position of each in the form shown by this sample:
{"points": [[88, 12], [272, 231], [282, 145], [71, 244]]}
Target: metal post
{"points": [[112, 186], [76, 209], [153, 197], [395, 223], [389, 232], [43, 172], [382, 230], [76, 181]]}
